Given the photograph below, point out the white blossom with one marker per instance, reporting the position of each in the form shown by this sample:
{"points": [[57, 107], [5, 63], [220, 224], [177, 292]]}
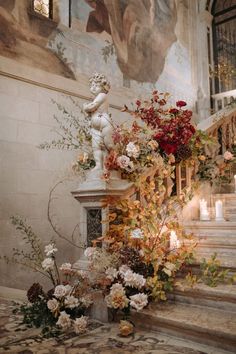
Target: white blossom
{"points": [[123, 161], [60, 291], [80, 324], [138, 301], [111, 273], [66, 267], [53, 305], [117, 298], [50, 249], [64, 320], [48, 264], [134, 280], [117, 287], [86, 300], [132, 150], [71, 302], [123, 269]]}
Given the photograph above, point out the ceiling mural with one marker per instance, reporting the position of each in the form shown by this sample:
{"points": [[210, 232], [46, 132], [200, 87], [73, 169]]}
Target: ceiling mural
{"points": [[141, 31]]}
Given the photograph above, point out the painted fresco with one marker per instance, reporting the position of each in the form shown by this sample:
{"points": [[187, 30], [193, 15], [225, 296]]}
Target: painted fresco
{"points": [[25, 35], [142, 31], [141, 44]]}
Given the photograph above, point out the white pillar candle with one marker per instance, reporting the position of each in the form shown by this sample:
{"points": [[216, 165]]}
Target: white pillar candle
{"points": [[174, 242], [219, 210], [204, 214], [234, 183]]}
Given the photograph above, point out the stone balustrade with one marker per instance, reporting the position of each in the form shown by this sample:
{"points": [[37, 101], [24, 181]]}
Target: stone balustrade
{"points": [[223, 100], [222, 126]]}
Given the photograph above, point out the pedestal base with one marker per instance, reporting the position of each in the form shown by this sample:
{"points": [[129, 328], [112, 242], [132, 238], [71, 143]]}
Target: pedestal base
{"points": [[95, 188]]}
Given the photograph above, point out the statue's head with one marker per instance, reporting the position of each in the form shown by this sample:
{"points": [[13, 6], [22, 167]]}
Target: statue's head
{"points": [[101, 81]]}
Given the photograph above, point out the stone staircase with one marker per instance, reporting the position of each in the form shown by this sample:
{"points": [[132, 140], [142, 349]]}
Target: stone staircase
{"points": [[203, 314], [217, 237]]}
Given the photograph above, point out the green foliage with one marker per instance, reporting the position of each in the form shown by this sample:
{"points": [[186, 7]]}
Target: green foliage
{"points": [[211, 273], [34, 256], [37, 314], [73, 130]]}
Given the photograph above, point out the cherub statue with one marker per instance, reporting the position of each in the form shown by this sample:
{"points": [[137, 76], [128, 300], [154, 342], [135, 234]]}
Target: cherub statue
{"points": [[101, 125]]}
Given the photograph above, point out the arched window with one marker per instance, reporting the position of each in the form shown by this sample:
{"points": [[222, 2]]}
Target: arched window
{"points": [[43, 7], [224, 44]]}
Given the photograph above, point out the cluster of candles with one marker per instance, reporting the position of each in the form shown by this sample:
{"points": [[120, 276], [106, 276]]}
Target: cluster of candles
{"points": [[204, 214]]}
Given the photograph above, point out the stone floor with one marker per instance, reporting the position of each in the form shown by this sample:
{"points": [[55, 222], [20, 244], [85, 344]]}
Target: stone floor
{"points": [[100, 339]]}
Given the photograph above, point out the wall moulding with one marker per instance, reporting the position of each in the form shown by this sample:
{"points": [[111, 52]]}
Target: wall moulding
{"points": [[76, 88]]}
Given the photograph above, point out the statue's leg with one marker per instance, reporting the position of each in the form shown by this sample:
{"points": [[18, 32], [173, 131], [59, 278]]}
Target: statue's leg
{"points": [[97, 150]]}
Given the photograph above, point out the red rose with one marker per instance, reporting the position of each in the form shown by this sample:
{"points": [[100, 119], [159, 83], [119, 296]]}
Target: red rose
{"points": [[138, 103], [168, 148], [181, 103], [174, 110]]}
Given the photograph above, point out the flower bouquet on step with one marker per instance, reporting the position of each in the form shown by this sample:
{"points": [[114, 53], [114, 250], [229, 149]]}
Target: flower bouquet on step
{"points": [[63, 307]]}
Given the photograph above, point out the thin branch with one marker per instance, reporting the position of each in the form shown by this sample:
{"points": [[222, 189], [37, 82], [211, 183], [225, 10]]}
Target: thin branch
{"points": [[59, 234]]}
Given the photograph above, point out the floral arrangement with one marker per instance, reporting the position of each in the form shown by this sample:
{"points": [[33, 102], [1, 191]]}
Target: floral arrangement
{"points": [[145, 247], [217, 170], [65, 305], [158, 135]]}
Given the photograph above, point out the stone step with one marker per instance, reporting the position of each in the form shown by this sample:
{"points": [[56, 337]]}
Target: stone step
{"points": [[215, 237], [205, 325], [221, 297]]}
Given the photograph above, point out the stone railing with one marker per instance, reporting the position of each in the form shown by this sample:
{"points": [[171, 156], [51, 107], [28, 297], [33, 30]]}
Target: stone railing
{"points": [[223, 100], [222, 126]]}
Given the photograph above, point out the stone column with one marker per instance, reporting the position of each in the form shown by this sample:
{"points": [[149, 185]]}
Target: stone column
{"points": [[203, 103]]}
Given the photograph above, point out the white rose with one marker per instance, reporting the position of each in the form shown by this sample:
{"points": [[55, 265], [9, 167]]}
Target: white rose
{"points": [[80, 324], [64, 320], [71, 302], [123, 161], [132, 150], [53, 305], [138, 301], [60, 291], [48, 264], [111, 273], [50, 249]]}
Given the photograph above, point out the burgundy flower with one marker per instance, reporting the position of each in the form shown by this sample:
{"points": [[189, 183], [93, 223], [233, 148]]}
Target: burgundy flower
{"points": [[181, 103], [168, 148], [34, 292], [138, 103], [174, 110]]}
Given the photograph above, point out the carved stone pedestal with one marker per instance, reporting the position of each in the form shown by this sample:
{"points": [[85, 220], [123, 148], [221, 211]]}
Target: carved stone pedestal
{"points": [[91, 195]]}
